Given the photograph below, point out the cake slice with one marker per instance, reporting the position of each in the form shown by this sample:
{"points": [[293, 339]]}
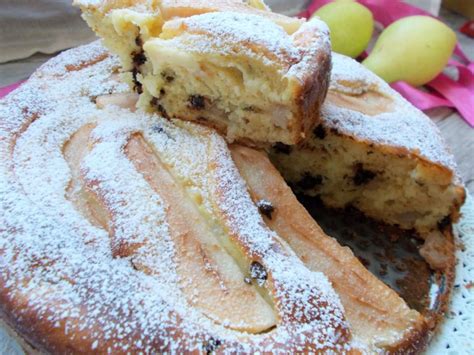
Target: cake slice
{"points": [[375, 151], [255, 76]]}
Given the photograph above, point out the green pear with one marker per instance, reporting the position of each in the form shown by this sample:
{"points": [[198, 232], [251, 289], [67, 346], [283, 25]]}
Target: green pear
{"points": [[414, 49], [351, 25]]}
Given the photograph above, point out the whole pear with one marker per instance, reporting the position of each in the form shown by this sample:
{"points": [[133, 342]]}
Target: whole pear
{"points": [[414, 49], [351, 25]]}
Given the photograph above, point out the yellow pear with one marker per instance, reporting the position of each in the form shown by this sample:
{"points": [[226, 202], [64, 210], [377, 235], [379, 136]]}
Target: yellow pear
{"points": [[351, 25], [414, 49]]}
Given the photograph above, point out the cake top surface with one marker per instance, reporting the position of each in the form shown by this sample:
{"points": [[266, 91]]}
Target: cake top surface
{"points": [[225, 30], [58, 268], [391, 120], [250, 36]]}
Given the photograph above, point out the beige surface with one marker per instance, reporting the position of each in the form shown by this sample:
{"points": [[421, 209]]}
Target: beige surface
{"points": [[47, 26]]}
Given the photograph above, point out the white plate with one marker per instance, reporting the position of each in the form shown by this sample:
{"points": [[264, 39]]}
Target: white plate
{"points": [[456, 333]]}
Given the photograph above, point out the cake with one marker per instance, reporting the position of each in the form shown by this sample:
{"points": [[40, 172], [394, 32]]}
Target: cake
{"points": [[376, 152], [126, 232], [256, 77]]}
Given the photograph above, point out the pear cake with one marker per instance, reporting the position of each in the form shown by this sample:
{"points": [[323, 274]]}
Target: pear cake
{"points": [[376, 152], [254, 76], [126, 232]]}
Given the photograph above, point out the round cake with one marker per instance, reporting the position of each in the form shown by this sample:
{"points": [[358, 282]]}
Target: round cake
{"points": [[124, 232]]}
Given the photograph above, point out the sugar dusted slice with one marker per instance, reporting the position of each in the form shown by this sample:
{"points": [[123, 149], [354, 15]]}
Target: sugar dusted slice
{"points": [[241, 74], [256, 76]]}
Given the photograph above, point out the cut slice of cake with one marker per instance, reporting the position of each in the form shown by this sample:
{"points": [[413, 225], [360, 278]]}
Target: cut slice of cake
{"points": [[375, 151], [240, 74], [255, 76]]}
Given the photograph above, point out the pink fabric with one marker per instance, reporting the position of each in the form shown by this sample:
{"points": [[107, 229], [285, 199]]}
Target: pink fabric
{"points": [[461, 96], [448, 92], [421, 99], [7, 89]]}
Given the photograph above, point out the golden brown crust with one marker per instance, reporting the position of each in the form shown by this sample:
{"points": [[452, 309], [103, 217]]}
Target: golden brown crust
{"points": [[314, 80], [313, 93]]}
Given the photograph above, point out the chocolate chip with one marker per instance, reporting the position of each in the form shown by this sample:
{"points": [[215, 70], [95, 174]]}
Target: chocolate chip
{"points": [[212, 345], [168, 75], [247, 280], [320, 132], [197, 102], [282, 148], [133, 265], [162, 92], [136, 83], [157, 129], [252, 109], [266, 208], [138, 41], [258, 273], [154, 102], [138, 58], [364, 261], [159, 107], [362, 176], [445, 222], [162, 111], [309, 181]]}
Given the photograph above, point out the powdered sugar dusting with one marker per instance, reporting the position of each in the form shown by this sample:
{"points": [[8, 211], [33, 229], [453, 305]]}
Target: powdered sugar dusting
{"points": [[313, 41], [59, 270], [231, 33], [252, 37], [404, 127]]}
